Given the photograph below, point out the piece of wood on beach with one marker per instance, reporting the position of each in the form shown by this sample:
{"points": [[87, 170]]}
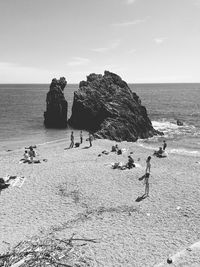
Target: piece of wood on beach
{"points": [[21, 262], [51, 251]]}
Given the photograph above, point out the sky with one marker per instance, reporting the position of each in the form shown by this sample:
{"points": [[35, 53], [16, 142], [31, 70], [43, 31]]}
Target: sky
{"points": [[143, 41]]}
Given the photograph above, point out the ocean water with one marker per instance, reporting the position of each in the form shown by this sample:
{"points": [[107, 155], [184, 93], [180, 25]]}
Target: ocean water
{"points": [[22, 107]]}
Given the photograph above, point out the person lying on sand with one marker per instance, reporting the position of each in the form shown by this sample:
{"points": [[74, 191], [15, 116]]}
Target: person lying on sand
{"points": [[121, 166]]}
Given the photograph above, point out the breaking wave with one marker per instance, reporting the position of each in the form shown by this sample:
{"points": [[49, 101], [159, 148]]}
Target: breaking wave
{"points": [[172, 130]]}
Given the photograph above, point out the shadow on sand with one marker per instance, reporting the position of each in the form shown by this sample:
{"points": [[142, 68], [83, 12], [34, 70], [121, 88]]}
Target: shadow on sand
{"points": [[138, 199], [86, 147], [142, 177]]}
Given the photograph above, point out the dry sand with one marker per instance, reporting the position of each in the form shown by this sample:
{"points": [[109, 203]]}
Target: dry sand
{"points": [[76, 191]]}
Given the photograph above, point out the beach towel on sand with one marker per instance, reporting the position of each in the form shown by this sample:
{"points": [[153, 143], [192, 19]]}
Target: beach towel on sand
{"points": [[17, 181]]}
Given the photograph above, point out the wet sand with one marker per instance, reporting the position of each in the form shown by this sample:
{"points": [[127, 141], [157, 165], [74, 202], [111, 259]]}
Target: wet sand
{"points": [[76, 191]]}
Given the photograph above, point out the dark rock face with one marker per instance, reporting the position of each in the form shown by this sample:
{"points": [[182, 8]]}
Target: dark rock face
{"points": [[55, 115], [106, 106]]}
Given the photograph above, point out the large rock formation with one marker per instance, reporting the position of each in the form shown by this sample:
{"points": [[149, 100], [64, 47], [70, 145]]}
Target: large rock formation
{"points": [[106, 106], [55, 115]]}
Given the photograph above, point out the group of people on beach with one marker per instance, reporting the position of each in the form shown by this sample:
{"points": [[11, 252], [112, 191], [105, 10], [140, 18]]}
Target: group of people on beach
{"points": [[29, 155], [131, 164], [161, 153], [77, 144]]}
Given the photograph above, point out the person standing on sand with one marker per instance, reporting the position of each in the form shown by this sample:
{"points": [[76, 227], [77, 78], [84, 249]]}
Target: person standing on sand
{"points": [[90, 139], [148, 166], [81, 137], [146, 182], [164, 145], [72, 140]]}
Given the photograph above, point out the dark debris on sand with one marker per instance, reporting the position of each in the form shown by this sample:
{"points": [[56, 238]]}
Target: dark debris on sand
{"points": [[49, 251]]}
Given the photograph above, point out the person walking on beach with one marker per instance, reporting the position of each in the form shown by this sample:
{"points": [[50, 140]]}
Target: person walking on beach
{"points": [[148, 166], [81, 137], [72, 140], [90, 139], [164, 145], [146, 182]]}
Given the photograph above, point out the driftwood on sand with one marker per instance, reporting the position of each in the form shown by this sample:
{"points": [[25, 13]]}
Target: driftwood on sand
{"points": [[49, 251]]}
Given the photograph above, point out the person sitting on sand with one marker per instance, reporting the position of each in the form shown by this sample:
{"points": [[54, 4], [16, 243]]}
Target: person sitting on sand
{"points": [[130, 163], [26, 157], [148, 166], [159, 152], [77, 144], [115, 148], [119, 151], [32, 154]]}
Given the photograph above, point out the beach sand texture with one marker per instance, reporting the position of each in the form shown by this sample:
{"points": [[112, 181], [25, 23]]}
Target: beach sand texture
{"points": [[76, 191]]}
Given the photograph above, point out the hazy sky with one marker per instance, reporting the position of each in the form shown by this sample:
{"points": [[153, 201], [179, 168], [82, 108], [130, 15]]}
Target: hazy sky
{"points": [[141, 40]]}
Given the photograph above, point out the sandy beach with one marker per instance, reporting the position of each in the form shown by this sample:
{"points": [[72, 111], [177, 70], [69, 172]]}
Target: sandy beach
{"points": [[77, 191]]}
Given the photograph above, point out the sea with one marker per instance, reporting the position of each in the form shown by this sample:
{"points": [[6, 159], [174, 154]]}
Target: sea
{"points": [[22, 107]]}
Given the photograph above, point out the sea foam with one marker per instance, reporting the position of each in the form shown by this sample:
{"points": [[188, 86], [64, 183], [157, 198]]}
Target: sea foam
{"points": [[172, 130]]}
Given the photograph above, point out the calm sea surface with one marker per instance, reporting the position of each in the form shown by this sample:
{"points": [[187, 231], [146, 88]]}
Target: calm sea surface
{"points": [[22, 107]]}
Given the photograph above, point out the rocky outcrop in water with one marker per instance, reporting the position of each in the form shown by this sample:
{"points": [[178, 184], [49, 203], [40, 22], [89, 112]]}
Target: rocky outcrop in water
{"points": [[55, 115], [106, 106]]}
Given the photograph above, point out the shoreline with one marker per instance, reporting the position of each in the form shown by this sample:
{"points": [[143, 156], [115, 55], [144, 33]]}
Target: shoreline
{"points": [[76, 191], [150, 144]]}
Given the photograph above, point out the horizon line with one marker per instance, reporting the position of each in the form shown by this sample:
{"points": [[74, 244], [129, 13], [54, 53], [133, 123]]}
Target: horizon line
{"points": [[126, 82]]}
